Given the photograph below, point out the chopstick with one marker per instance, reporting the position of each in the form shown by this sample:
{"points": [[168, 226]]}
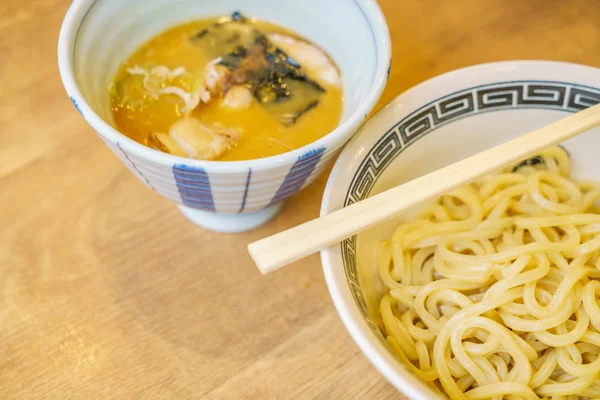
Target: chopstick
{"points": [[293, 244]]}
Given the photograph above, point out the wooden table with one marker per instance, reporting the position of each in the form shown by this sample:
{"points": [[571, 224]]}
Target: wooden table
{"points": [[107, 291]]}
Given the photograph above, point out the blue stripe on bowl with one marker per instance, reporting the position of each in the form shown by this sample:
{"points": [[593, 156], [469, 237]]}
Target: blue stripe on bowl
{"points": [[135, 166], [193, 185], [298, 174], [389, 68], [75, 104], [246, 190]]}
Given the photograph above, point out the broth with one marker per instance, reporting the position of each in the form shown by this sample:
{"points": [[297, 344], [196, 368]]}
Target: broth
{"points": [[287, 102]]}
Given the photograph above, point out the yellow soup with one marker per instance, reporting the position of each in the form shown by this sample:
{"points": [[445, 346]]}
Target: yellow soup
{"points": [[227, 89]]}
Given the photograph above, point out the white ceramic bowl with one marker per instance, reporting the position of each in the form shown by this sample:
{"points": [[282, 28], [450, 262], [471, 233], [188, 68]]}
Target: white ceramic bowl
{"points": [[98, 35], [432, 125]]}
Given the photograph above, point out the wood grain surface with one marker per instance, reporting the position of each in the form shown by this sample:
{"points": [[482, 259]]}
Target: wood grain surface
{"points": [[107, 291]]}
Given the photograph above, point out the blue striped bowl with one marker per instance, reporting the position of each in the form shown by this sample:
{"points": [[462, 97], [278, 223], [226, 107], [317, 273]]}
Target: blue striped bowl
{"points": [[98, 35]]}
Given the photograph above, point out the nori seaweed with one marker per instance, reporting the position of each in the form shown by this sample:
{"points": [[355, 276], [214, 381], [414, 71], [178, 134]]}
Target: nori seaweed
{"points": [[271, 84]]}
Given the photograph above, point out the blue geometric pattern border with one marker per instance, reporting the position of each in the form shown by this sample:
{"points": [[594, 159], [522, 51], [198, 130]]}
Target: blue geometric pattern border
{"points": [[550, 95]]}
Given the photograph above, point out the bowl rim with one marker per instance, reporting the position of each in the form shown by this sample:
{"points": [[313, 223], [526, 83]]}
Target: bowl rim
{"points": [[331, 260], [332, 141]]}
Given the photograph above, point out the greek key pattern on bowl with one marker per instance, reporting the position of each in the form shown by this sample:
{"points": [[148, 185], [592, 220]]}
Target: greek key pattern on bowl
{"points": [[477, 100]]}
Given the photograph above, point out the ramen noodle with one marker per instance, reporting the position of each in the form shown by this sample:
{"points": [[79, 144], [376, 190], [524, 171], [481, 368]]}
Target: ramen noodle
{"points": [[492, 291]]}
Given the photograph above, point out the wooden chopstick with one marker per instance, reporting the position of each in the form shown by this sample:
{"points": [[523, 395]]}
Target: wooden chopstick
{"points": [[293, 244]]}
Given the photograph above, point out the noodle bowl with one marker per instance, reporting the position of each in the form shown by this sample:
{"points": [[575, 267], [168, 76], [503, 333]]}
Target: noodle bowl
{"points": [[491, 291]]}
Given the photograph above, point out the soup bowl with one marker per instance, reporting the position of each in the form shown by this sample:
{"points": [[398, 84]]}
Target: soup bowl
{"points": [[97, 36], [432, 125]]}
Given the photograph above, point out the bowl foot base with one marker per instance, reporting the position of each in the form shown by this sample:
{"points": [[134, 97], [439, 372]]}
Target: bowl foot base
{"points": [[230, 223]]}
